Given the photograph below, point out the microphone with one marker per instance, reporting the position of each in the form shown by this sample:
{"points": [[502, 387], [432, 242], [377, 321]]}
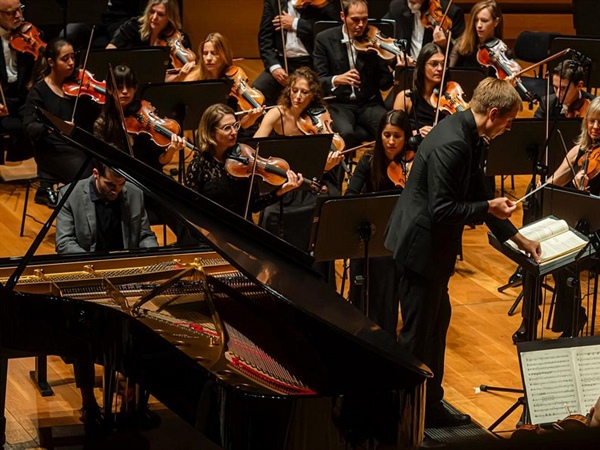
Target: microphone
{"points": [[580, 58]]}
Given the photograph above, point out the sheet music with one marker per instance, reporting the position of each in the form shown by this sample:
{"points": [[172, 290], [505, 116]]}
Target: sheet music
{"points": [[587, 361], [561, 381], [550, 384]]}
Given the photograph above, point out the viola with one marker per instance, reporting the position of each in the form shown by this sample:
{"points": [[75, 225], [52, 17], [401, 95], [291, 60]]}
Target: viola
{"points": [[241, 161], [26, 39], [373, 40], [317, 120], [578, 108], [452, 99], [299, 4], [145, 120], [246, 96], [180, 55], [435, 16], [493, 54], [589, 164], [85, 83]]}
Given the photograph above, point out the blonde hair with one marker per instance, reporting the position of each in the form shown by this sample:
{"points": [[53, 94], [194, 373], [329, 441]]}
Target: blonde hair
{"points": [[172, 10], [467, 44], [208, 123], [593, 110], [494, 93], [223, 49]]}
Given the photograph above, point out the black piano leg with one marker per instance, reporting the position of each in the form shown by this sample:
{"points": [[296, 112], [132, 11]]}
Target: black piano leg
{"points": [[40, 376], [3, 381]]}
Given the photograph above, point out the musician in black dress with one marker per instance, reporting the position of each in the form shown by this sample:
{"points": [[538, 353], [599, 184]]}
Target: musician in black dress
{"points": [[57, 161], [159, 23], [218, 131], [16, 70], [371, 175], [417, 102]]}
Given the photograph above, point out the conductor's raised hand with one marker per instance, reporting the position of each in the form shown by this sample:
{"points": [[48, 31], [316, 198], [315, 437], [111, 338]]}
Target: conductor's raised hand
{"points": [[501, 207]]}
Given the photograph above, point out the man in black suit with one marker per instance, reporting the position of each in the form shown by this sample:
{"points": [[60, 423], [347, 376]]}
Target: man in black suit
{"points": [[299, 39], [445, 191], [407, 14], [15, 75], [356, 79]]}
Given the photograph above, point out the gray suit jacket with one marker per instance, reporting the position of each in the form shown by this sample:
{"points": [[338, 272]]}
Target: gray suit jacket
{"points": [[76, 222]]}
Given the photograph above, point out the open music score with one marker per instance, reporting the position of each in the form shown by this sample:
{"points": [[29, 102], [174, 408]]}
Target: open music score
{"points": [[559, 381]]}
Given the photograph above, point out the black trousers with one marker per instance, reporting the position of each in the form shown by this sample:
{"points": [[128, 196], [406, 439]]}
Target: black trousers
{"points": [[426, 311], [270, 87]]}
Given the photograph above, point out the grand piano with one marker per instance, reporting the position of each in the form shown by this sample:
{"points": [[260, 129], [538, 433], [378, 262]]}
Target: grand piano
{"points": [[237, 336]]}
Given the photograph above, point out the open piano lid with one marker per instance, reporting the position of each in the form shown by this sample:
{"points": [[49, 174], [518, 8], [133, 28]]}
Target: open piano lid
{"points": [[282, 269]]}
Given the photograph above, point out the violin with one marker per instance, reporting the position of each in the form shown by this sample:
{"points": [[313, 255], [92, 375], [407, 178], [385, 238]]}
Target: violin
{"points": [[299, 4], [317, 120], [145, 120], [436, 17], [573, 422], [180, 55], [246, 96], [26, 39], [241, 161], [373, 40], [85, 83], [398, 171], [578, 108], [452, 100], [493, 54], [589, 164]]}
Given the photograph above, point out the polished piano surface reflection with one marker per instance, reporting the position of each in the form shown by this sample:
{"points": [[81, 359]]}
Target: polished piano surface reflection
{"points": [[238, 337]]}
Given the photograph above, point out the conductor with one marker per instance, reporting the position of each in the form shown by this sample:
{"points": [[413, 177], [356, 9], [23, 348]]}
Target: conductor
{"points": [[445, 191]]}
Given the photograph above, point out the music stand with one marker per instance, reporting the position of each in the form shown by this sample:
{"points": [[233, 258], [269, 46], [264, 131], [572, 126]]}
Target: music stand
{"points": [[305, 154], [185, 102], [360, 234], [149, 63], [590, 47]]}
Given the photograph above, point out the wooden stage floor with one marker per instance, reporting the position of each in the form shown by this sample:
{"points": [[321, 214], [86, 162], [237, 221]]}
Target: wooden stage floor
{"points": [[479, 347]]}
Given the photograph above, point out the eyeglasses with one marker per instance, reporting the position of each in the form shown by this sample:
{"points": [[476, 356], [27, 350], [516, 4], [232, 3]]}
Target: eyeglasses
{"points": [[13, 12], [229, 128], [434, 64]]}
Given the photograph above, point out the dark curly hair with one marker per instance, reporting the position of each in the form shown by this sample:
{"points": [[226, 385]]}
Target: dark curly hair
{"points": [[314, 86]]}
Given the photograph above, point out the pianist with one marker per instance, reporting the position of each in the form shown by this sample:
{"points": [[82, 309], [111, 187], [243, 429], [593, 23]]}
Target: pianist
{"points": [[102, 214]]}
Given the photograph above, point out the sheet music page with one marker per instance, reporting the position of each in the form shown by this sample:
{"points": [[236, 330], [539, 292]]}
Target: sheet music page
{"points": [[550, 384], [587, 362]]}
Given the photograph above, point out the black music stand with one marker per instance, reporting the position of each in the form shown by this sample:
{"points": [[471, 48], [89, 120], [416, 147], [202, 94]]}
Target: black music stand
{"points": [[536, 272], [185, 102], [581, 211], [305, 154], [352, 227], [590, 47], [149, 63]]}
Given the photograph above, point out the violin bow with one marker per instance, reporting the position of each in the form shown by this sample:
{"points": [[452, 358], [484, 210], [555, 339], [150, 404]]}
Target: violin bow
{"points": [[117, 102], [442, 86], [285, 61], [3, 99], [252, 176], [366, 144], [445, 14], [85, 60], [544, 61]]}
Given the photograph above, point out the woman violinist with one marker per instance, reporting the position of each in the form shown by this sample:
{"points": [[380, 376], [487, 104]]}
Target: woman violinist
{"points": [[159, 25], [417, 103], [57, 161], [216, 62], [217, 133], [582, 163], [485, 23], [384, 169]]}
